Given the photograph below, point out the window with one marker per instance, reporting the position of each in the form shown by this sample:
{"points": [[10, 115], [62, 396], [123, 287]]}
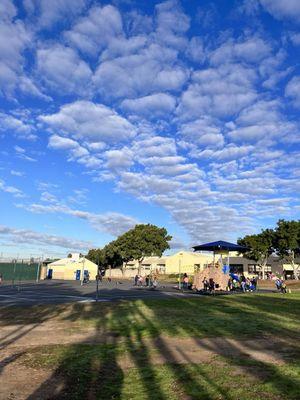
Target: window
{"points": [[268, 268], [197, 267], [251, 268], [237, 268], [161, 268]]}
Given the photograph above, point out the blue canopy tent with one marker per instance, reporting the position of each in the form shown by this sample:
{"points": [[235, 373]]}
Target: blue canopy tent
{"points": [[221, 247]]}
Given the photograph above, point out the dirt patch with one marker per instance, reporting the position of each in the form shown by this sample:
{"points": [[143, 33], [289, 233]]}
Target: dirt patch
{"points": [[18, 380]]}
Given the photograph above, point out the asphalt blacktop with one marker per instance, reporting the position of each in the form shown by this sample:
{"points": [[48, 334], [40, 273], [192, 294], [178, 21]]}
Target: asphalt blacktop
{"points": [[59, 291]]}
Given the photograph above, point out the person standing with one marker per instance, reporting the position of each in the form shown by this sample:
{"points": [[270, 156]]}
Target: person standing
{"points": [[185, 281], [211, 286], [243, 283], [205, 284], [136, 279]]}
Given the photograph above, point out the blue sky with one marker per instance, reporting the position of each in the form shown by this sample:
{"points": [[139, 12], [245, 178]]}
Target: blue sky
{"points": [[183, 114]]}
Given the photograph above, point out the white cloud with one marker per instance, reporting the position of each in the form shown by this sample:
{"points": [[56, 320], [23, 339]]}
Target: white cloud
{"points": [[21, 153], [172, 24], [111, 222], [33, 238], [292, 90], [155, 105], [229, 152], [49, 13], [195, 49], [90, 122], [152, 69], [295, 38], [119, 159], [262, 120], [7, 10], [203, 131], [10, 124], [14, 38], [219, 92], [93, 33], [48, 197], [61, 143], [62, 70], [122, 46], [252, 50], [282, 9], [17, 173], [11, 190]]}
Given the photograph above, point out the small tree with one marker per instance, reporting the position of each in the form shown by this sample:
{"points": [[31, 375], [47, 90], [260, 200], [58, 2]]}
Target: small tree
{"points": [[96, 256], [260, 247], [287, 242], [143, 241]]}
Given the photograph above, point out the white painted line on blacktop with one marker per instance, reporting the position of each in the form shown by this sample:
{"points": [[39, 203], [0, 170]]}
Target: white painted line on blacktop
{"points": [[14, 298], [42, 295]]}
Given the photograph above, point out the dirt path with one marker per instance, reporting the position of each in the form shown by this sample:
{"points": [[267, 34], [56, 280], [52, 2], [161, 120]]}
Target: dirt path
{"points": [[19, 381]]}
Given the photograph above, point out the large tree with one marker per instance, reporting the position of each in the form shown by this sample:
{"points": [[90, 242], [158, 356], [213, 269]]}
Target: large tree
{"points": [[261, 246], [96, 256], [287, 242], [143, 241], [107, 257]]}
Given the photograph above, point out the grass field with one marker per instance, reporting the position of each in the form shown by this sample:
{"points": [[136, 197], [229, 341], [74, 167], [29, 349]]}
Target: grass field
{"points": [[129, 348]]}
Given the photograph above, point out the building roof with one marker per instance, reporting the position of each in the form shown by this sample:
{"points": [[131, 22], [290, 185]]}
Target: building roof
{"points": [[72, 261]]}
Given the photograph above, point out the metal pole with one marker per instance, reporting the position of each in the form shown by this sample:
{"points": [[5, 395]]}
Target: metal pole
{"points": [[179, 283], [38, 272], [82, 271], [97, 288], [97, 281], [14, 276]]}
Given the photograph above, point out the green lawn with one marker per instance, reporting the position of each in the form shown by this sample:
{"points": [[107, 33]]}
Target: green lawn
{"points": [[228, 316], [94, 372], [133, 329]]}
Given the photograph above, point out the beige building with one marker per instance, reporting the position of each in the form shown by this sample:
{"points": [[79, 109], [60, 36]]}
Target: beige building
{"points": [[181, 262], [71, 268]]}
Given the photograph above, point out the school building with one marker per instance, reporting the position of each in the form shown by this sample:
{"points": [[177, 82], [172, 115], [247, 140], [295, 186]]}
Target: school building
{"points": [[71, 268]]}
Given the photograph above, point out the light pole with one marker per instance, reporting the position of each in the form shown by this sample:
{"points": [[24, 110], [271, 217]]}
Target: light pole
{"points": [[82, 271], [38, 271], [179, 264]]}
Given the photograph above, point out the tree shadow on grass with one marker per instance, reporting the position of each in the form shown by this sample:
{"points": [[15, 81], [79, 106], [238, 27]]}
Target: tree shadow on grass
{"points": [[140, 328]]}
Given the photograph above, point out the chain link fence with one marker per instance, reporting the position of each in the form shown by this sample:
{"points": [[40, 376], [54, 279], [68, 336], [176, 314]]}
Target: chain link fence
{"points": [[17, 270]]}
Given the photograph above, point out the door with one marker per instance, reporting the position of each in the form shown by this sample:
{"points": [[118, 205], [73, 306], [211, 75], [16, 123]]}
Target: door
{"points": [[78, 275], [50, 273]]}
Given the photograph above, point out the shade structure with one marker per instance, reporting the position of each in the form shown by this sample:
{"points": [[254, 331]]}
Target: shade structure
{"points": [[220, 245]]}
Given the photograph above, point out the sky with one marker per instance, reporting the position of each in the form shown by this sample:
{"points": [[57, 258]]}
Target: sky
{"points": [[183, 114]]}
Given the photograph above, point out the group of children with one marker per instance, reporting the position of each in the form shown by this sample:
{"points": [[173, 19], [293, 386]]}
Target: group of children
{"points": [[148, 281], [234, 283]]}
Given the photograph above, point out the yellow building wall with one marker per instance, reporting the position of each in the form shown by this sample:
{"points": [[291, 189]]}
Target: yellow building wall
{"points": [[188, 262], [67, 270], [289, 267]]}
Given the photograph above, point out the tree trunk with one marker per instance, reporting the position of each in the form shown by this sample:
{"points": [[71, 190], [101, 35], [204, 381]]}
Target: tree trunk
{"points": [[140, 265], [123, 268], [291, 260], [263, 267]]}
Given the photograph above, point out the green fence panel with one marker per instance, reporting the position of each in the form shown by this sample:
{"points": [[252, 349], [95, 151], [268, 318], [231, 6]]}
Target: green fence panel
{"points": [[18, 271]]}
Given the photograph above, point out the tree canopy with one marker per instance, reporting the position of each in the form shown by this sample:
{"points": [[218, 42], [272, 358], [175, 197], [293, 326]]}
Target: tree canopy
{"points": [[287, 238], [142, 241], [261, 245], [283, 241]]}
